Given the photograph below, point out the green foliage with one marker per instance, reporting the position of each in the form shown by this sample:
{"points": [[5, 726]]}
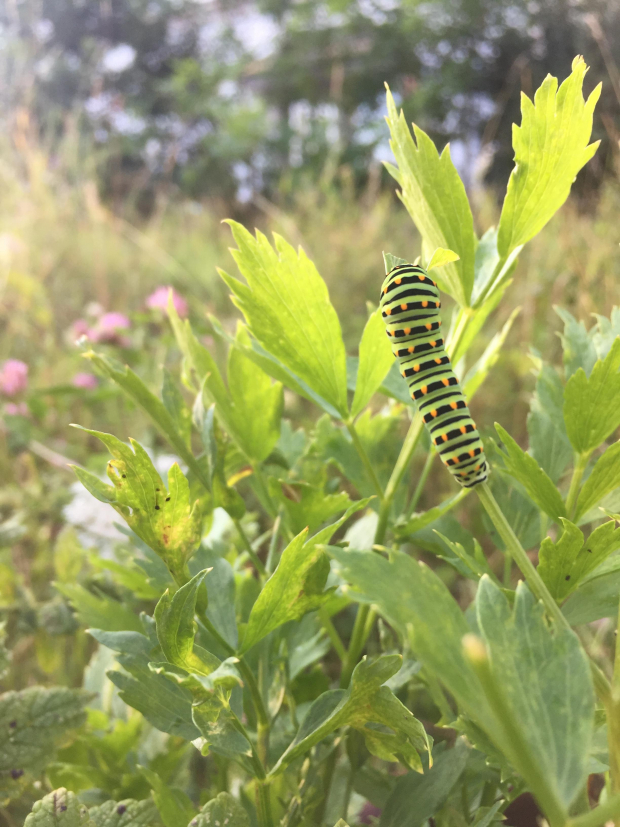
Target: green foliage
{"points": [[591, 411], [173, 805], [223, 809], [166, 520], [436, 200], [375, 359], [126, 813], [35, 721], [604, 478], [566, 562], [367, 701], [60, 808], [551, 146], [287, 308], [526, 470]]}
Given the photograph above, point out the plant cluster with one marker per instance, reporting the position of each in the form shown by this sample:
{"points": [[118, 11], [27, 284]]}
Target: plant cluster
{"points": [[279, 638]]}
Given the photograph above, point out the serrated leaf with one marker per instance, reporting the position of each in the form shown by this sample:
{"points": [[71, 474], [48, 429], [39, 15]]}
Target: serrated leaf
{"points": [[419, 521], [366, 701], [597, 595], [563, 564], [577, 344], [287, 308], [174, 616], [126, 813], [441, 257], [179, 412], [297, 585], [99, 611], [135, 388], [604, 478], [551, 146], [416, 798], [308, 505], [167, 706], [435, 198], [174, 806], [60, 808], [166, 520], [591, 409], [526, 470], [545, 677], [375, 359], [549, 443], [34, 722], [222, 810]]}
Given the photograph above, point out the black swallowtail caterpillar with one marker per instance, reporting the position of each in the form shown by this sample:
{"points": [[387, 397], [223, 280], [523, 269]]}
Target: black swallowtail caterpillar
{"points": [[410, 303]]}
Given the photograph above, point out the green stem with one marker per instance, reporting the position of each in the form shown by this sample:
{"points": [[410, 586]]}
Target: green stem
{"points": [[333, 635], [581, 462], [610, 810], [519, 555], [522, 756], [259, 769], [258, 563], [364, 457], [421, 482], [263, 804], [465, 314], [273, 543], [356, 645], [246, 673], [262, 491]]}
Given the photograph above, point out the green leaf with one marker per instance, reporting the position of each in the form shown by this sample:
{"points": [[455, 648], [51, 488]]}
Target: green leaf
{"points": [[174, 616], [435, 198], [135, 388], [34, 722], [604, 479], [591, 410], [597, 595], [390, 261], [174, 806], [165, 520], [577, 344], [551, 146], [565, 563], [416, 798], [126, 813], [287, 308], [221, 592], [475, 566], [297, 585], [422, 610], [526, 470], [375, 360], [441, 257], [309, 505], [222, 810], [545, 678], [59, 809], [365, 701], [99, 610], [549, 443], [175, 405], [419, 521], [167, 706], [250, 409], [476, 375]]}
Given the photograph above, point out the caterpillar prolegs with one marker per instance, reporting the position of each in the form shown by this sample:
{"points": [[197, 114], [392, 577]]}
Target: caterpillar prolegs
{"points": [[410, 303]]}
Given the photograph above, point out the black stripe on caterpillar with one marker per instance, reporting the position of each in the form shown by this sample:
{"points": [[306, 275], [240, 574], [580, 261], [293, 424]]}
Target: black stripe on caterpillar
{"points": [[410, 306]]}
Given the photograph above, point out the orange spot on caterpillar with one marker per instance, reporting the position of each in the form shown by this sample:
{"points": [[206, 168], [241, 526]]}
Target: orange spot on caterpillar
{"points": [[429, 326], [424, 390], [411, 349], [463, 429], [424, 304], [416, 368], [444, 437], [398, 280], [446, 382], [421, 278], [403, 306], [433, 344], [433, 414], [407, 331], [472, 453], [388, 311], [438, 361], [453, 405]]}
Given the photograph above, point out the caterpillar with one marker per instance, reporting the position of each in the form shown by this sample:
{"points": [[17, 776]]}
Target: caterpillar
{"points": [[410, 304]]}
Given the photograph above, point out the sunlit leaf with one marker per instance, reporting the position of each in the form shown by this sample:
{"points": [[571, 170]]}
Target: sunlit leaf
{"points": [[375, 359]]}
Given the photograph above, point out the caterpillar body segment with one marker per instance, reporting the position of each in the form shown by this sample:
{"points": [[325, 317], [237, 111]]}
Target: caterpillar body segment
{"points": [[410, 305]]}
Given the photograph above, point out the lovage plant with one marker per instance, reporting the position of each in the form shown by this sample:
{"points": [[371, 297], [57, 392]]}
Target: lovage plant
{"points": [[302, 662]]}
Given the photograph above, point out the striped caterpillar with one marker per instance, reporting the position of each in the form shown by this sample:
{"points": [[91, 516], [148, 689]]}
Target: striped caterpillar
{"points": [[410, 303]]}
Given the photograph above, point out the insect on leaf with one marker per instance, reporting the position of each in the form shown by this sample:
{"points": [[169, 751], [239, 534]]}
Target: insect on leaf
{"points": [[551, 146]]}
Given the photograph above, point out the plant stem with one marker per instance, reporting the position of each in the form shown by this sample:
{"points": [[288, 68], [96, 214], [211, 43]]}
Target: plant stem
{"points": [[273, 543], [421, 482], [364, 457], [263, 804], [612, 708], [356, 645], [333, 635], [519, 555], [258, 563], [262, 491], [581, 461], [610, 810]]}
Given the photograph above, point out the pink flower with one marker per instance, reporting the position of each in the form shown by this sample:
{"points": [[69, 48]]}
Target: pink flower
{"points": [[85, 380], [16, 409], [159, 300], [369, 814], [13, 377], [80, 328], [108, 329]]}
